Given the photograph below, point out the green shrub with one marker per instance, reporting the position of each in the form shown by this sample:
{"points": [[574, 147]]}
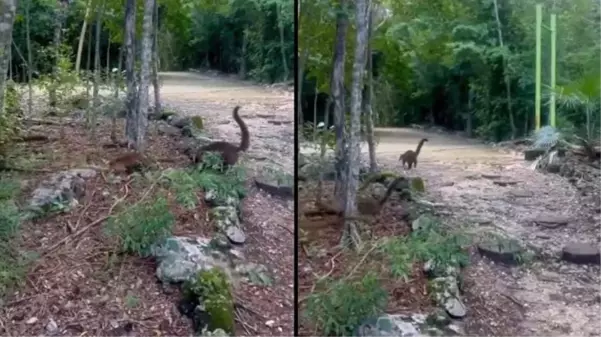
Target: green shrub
{"points": [[344, 305], [428, 243], [141, 225]]}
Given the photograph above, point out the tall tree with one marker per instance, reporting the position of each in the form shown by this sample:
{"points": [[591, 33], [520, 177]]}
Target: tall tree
{"points": [[155, 61], [8, 8], [369, 118], [82, 35], [145, 60], [131, 100], [350, 235], [337, 94], [60, 14]]}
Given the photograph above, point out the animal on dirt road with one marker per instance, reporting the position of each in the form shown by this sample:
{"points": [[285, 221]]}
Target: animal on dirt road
{"points": [[229, 152], [410, 157]]}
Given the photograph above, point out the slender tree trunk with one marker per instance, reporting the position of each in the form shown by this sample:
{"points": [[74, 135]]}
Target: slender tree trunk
{"points": [[315, 122], [108, 61], [117, 82], [369, 121], [242, 71], [155, 62], [145, 60], [60, 14], [9, 9], [337, 87], [88, 75], [29, 58], [299, 91], [82, 36], [95, 98], [350, 236], [505, 73], [131, 101], [282, 41]]}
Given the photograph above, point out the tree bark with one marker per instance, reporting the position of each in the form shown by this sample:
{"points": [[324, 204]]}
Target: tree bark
{"points": [[350, 235], [155, 61], [369, 121], [7, 19], [145, 60], [131, 100], [96, 87], [337, 93], [82, 36], [60, 15], [282, 41], [29, 58]]}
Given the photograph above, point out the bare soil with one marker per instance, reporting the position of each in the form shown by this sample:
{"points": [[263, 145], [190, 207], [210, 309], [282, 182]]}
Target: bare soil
{"points": [[85, 287]]}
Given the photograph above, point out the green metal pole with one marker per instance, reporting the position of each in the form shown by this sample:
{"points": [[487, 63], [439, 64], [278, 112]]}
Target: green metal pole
{"points": [[539, 21], [552, 119]]}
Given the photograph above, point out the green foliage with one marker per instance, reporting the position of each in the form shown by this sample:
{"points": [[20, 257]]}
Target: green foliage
{"points": [[10, 125], [65, 82], [213, 289], [141, 225], [417, 185], [428, 243], [209, 176], [344, 305], [197, 122], [12, 262]]}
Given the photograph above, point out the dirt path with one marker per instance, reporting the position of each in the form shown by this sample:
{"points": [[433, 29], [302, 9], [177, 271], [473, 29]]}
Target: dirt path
{"points": [[269, 114], [548, 297]]}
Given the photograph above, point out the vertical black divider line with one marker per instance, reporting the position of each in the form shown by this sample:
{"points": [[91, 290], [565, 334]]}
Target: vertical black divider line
{"points": [[296, 151]]}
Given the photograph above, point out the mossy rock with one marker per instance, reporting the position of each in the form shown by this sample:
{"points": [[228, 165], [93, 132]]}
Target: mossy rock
{"points": [[417, 184], [197, 122], [213, 289]]}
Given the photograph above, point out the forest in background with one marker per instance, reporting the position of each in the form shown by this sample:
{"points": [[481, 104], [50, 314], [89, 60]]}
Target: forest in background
{"points": [[250, 38], [467, 66]]}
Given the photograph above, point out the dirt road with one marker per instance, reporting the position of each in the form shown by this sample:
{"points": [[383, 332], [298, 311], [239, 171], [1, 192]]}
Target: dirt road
{"points": [[547, 297]]}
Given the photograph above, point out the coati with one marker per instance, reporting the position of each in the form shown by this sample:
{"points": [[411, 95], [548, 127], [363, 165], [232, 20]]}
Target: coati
{"points": [[410, 157], [365, 206], [129, 163], [228, 151]]}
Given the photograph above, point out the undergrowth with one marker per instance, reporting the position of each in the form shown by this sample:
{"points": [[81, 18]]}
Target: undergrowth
{"points": [[12, 262], [207, 176], [138, 227], [344, 304]]}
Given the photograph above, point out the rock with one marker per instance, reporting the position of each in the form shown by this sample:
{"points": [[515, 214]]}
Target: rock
{"points": [[532, 154], [166, 129], [387, 325], [61, 189], [178, 122], [235, 234], [180, 258], [581, 253], [503, 251], [213, 200], [447, 184], [274, 188], [504, 182], [421, 222], [51, 327], [224, 217], [551, 221], [455, 307]]}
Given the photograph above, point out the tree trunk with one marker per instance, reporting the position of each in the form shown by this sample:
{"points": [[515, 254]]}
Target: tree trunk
{"points": [[29, 58], [82, 36], [60, 14], [243, 66], [315, 114], [131, 100], [369, 120], [299, 89], [95, 98], [145, 60], [108, 60], [88, 74], [505, 73], [337, 88], [117, 82], [282, 41], [8, 8], [350, 236], [155, 62]]}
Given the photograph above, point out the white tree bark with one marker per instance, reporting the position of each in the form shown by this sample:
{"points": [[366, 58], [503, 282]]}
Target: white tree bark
{"points": [[145, 60], [8, 9], [129, 43], [353, 144]]}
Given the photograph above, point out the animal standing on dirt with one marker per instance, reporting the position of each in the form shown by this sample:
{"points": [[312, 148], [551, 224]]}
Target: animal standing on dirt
{"points": [[129, 163], [410, 157], [365, 206], [229, 152]]}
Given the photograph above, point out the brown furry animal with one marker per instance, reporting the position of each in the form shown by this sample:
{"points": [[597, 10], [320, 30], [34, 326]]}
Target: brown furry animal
{"points": [[410, 157], [129, 163], [229, 152]]}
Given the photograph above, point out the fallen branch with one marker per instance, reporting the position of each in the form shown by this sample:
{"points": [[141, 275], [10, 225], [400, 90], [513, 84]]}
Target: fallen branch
{"points": [[31, 138]]}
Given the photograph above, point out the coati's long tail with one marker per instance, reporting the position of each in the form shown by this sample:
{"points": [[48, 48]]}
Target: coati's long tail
{"points": [[245, 141], [419, 146]]}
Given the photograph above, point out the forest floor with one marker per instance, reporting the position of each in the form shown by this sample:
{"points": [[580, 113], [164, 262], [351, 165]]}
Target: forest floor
{"points": [[78, 285], [548, 297]]}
